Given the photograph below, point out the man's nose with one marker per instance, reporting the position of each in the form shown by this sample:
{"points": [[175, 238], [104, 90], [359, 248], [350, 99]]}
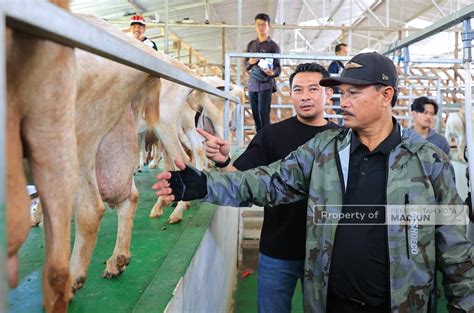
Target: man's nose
{"points": [[306, 94], [343, 102]]}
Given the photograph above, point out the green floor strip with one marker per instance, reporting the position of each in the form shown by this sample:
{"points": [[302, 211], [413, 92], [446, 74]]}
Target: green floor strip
{"points": [[175, 264], [160, 252]]}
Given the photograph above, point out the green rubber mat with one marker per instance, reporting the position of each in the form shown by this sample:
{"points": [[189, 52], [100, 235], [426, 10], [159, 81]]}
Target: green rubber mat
{"points": [[160, 252]]}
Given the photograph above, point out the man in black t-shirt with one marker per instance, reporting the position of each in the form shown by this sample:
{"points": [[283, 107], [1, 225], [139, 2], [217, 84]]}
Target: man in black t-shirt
{"points": [[282, 242]]}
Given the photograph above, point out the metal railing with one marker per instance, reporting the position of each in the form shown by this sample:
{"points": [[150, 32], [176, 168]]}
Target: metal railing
{"points": [[239, 117], [441, 25], [48, 21], [462, 16]]}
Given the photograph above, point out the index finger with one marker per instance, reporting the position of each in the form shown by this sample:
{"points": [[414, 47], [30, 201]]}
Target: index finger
{"points": [[204, 133]]}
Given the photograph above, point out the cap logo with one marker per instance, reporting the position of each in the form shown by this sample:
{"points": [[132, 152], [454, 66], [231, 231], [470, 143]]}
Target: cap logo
{"points": [[385, 77], [137, 19], [353, 65]]}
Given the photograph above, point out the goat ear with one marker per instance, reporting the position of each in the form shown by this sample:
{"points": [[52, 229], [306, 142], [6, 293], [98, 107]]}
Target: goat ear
{"points": [[223, 88]]}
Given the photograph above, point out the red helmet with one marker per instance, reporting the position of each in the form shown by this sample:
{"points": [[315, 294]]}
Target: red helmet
{"points": [[137, 19]]}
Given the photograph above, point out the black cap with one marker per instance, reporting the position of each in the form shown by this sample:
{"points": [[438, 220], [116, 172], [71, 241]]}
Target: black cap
{"points": [[366, 69]]}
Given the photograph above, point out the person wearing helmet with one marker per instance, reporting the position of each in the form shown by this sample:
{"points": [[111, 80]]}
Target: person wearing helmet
{"points": [[137, 29]]}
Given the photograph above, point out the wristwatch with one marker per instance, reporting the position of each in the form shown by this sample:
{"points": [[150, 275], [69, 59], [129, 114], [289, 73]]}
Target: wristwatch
{"points": [[223, 164]]}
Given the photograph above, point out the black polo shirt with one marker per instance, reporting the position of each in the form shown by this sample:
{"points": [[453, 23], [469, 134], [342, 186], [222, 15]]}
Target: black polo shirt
{"points": [[360, 265]]}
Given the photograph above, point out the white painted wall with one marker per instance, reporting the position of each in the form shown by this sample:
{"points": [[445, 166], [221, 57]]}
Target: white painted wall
{"points": [[209, 281]]}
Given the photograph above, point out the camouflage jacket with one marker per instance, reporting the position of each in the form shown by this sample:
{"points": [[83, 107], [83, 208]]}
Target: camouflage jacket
{"points": [[319, 170]]}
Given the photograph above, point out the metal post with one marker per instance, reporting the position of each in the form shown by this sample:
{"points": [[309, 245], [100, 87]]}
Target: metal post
{"points": [[239, 38], [350, 31], [166, 39], [240, 126], [3, 188], [206, 12], [223, 44], [406, 60], [227, 88], [467, 37], [439, 98], [410, 98]]}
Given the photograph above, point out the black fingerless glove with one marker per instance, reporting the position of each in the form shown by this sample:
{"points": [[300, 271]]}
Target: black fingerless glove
{"points": [[188, 184]]}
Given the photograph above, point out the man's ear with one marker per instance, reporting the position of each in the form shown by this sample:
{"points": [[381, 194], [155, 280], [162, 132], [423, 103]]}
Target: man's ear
{"points": [[388, 93], [329, 92]]}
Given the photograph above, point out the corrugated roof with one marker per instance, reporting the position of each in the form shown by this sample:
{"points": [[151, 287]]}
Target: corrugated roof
{"points": [[367, 20]]}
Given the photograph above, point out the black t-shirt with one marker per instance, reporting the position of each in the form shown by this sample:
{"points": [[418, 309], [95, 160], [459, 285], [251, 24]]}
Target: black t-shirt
{"points": [[284, 227]]}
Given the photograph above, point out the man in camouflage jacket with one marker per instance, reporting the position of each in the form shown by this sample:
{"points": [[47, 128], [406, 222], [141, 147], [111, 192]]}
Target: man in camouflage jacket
{"points": [[417, 170]]}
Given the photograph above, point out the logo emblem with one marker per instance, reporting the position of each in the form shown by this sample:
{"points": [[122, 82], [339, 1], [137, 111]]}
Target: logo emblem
{"points": [[385, 77], [350, 65]]}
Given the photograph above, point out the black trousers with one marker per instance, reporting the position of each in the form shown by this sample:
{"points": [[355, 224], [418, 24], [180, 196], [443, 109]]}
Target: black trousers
{"points": [[337, 305], [260, 102]]}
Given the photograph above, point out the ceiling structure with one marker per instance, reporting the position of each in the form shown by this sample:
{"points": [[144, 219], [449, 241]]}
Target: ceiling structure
{"points": [[298, 26]]}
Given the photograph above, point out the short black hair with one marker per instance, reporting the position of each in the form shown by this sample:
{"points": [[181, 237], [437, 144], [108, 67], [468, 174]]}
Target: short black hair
{"points": [[309, 68], [263, 16], [339, 47], [418, 104]]}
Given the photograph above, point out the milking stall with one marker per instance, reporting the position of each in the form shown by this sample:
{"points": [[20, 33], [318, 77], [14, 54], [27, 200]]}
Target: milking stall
{"points": [[236, 156]]}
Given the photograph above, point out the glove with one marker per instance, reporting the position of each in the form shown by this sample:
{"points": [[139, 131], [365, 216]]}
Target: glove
{"points": [[188, 184]]}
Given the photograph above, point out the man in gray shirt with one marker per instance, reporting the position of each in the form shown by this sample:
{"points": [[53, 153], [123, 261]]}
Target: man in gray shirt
{"points": [[262, 85], [423, 111]]}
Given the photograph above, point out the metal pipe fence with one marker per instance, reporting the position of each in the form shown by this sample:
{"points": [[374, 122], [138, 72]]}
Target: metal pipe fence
{"points": [[45, 20]]}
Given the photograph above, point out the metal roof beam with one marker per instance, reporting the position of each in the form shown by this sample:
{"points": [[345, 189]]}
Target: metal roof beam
{"points": [[274, 26], [48, 21], [363, 7], [442, 25], [134, 5]]}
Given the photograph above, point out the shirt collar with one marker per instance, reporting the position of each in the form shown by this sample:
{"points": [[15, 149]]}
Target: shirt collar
{"points": [[386, 145], [431, 132], [266, 40]]}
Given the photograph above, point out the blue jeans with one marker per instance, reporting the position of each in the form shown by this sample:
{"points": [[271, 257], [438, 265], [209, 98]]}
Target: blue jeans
{"points": [[276, 283], [260, 103]]}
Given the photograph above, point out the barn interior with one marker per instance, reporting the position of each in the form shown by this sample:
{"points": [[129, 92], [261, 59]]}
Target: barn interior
{"points": [[208, 261]]}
